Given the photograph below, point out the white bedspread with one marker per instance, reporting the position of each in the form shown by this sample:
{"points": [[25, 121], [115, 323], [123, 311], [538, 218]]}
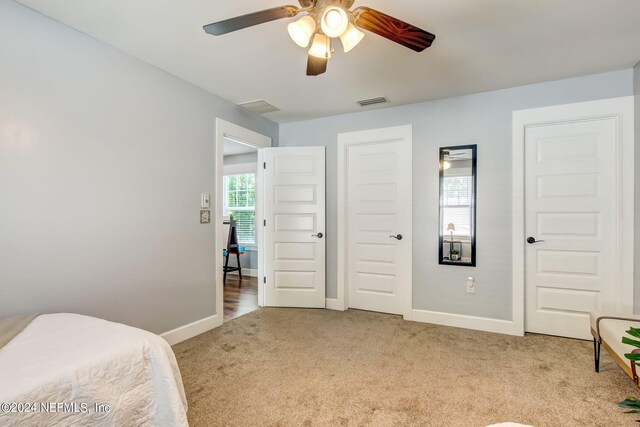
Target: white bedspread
{"points": [[67, 369]]}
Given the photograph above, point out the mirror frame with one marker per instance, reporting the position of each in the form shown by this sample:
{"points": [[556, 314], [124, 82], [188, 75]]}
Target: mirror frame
{"points": [[474, 174]]}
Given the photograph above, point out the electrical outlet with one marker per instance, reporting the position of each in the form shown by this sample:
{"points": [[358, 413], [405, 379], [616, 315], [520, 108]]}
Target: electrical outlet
{"points": [[471, 285]]}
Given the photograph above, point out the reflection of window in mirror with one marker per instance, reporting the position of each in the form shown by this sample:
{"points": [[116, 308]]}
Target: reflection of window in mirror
{"points": [[457, 205]]}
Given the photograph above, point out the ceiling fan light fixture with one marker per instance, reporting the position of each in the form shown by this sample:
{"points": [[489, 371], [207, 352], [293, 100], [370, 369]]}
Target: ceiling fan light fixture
{"points": [[302, 30], [334, 21], [329, 19], [351, 37], [321, 46]]}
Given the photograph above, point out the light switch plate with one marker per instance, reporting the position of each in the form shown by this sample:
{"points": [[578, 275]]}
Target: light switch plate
{"points": [[205, 201], [471, 285], [205, 216]]}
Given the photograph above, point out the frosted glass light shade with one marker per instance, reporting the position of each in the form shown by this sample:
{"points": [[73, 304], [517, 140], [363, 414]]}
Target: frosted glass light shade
{"points": [[302, 30], [334, 21], [351, 37], [321, 47]]}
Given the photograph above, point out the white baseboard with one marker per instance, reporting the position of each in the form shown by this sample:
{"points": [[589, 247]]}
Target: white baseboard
{"points": [[462, 321], [333, 304], [198, 327], [253, 272]]}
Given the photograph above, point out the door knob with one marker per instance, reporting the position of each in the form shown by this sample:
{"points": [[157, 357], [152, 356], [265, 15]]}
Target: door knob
{"points": [[532, 240], [319, 235], [398, 237]]}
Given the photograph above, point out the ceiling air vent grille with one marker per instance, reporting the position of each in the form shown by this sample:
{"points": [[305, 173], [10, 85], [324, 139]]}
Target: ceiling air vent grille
{"points": [[372, 101], [260, 106]]}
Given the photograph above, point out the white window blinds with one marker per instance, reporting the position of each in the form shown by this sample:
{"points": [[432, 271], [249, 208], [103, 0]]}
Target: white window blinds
{"points": [[240, 202]]}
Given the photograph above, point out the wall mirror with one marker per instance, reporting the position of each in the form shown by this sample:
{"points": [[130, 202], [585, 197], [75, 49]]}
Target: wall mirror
{"points": [[458, 205]]}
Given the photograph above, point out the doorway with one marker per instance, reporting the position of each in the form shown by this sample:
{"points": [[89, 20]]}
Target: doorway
{"points": [[573, 237], [240, 270], [237, 203]]}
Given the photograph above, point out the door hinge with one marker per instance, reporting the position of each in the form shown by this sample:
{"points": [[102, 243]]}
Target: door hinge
{"points": [[264, 280], [265, 222], [264, 165]]}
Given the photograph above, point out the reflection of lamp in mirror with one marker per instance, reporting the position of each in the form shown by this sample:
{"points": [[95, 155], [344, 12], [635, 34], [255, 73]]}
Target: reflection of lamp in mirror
{"points": [[445, 163], [451, 227]]}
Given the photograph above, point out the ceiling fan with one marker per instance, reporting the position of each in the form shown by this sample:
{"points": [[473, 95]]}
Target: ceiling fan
{"points": [[325, 20], [453, 155], [449, 156]]}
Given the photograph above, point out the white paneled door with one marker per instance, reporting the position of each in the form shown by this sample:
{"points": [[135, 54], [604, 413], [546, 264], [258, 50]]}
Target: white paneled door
{"points": [[378, 200], [571, 217], [294, 206]]}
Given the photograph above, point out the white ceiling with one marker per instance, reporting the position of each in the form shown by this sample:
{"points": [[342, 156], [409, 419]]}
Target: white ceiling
{"points": [[232, 148], [480, 45]]}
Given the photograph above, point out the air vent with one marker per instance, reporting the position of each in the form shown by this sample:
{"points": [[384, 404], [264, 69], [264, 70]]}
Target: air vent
{"points": [[259, 107], [372, 101]]}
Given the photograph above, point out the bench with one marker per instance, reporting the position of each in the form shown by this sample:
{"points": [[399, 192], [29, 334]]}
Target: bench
{"points": [[608, 330]]}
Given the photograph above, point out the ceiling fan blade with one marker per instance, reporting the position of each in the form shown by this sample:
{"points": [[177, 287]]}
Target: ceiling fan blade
{"points": [[316, 66], [393, 29], [251, 19]]}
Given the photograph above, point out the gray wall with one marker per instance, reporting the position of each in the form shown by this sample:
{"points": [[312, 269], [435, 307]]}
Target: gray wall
{"points": [[483, 119], [636, 91], [102, 162]]}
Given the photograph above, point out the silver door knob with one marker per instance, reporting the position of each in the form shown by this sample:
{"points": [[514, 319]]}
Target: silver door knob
{"points": [[319, 235], [397, 237]]}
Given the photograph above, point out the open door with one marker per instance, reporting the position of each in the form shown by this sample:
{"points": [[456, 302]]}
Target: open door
{"points": [[294, 227]]}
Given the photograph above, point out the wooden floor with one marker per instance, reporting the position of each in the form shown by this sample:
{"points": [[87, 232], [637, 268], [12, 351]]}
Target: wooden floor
{"points": [[240, 296]]}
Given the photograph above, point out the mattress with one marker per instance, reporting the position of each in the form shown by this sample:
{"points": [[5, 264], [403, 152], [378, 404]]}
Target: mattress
{"points": [[73, 370]]}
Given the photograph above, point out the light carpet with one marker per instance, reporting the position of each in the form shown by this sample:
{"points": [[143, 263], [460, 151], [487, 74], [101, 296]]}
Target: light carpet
{"points": [[288, 367]]}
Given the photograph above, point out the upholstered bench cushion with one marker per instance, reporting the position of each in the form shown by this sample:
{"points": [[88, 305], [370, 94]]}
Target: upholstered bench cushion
{"points": [[609, 324], [608, 330], [612, 331]]}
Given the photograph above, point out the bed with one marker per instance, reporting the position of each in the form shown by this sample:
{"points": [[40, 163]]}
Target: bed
{"points": [[68, 369]]}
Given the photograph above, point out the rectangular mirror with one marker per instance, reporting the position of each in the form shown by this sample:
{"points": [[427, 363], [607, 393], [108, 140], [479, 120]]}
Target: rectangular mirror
{"points": [[458, 205]]}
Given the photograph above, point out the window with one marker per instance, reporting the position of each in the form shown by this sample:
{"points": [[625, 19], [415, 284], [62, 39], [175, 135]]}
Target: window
{"points": [[240, 202]]}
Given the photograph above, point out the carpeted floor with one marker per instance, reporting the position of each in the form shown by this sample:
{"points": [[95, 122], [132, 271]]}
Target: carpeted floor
{"points": [[290, 367]]}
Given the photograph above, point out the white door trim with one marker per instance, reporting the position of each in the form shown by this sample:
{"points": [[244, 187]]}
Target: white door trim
{"points": [[346, 140], [225, 129], [620, 109]]}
